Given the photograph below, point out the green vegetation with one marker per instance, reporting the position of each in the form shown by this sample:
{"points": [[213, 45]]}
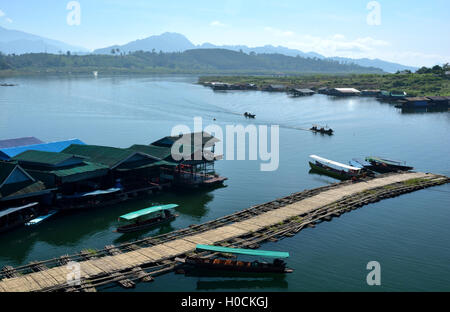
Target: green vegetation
{"points": [[206, 61], [417, 181], [414, 84]]}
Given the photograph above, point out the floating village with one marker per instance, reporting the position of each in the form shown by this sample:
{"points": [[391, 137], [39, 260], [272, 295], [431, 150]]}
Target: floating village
{"points": [[400, 98], [39, 180]]}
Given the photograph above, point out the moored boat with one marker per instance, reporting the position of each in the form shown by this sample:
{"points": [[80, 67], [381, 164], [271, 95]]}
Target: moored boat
{"points": [[248, 115], [277, 266], [335, 169], [146, 218], [12, 218], [383, 165]]}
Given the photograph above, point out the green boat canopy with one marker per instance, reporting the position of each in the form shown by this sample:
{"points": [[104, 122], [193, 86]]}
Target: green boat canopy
{"points": [[145, 212], [248, 252]]}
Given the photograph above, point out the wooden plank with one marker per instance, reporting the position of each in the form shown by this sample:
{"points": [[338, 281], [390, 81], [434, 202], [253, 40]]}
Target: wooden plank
{"points": [[43, 279], [182, 246], [164, 251], [88, 270], [151, 254]]}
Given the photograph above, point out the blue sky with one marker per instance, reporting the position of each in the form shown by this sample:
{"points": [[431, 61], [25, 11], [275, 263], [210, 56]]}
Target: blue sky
{"points": [[412, 32]]}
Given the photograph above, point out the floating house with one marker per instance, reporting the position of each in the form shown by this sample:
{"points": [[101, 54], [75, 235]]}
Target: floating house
{"points": [[194, 157], [392, 96], [275, 88], [19, 142], [134, 170], [439, 101], [18, 187], [411, 102], [323, 90], [301, 92], [344, 92], [370, 92], [56, 147], [69, 173]]}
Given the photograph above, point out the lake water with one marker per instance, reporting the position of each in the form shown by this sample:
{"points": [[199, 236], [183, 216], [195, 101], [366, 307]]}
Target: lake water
{"points": [[409, 236]]}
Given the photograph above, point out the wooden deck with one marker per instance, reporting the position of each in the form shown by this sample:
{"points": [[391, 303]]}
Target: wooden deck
{"points": [[118, 266]]}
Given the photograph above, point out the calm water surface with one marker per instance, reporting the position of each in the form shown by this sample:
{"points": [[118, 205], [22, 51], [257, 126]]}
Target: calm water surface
{"points": [[409, 235]]}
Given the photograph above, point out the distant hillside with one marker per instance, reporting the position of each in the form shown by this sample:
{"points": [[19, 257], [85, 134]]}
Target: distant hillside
{"points": [[384, 65], [174, 42], [167, 42], [19, 42], [268, 49], [191, 61]]}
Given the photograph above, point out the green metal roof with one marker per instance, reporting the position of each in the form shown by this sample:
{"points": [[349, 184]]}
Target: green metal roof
{"points": [[85, 167], [248, 252], [159, 152], [205, 139], [22, 190], [109, 156], [44, 158], [145, 212]]}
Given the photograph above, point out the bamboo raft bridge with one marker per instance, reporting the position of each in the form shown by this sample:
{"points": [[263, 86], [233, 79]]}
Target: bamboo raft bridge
{"points": [[141, 261]]}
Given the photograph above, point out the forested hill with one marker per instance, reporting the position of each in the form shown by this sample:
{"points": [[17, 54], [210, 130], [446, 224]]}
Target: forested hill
{"points": [[191, 61]]}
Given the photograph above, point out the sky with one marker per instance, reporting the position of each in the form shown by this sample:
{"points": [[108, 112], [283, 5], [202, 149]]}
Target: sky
{"points": [[411, 32]]}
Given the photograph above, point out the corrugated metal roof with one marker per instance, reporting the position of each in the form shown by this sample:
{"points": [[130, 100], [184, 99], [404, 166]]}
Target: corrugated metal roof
{"points": [[347, 90], [46, 147], [19, 142], [109, 156], [80, 169], [160, 152], [417, 99], [206, 139], [44, 158], [21, 190], [145, 212]]}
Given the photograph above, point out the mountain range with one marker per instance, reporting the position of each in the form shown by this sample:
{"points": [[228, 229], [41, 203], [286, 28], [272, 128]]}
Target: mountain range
{"points": [[18, 42]]}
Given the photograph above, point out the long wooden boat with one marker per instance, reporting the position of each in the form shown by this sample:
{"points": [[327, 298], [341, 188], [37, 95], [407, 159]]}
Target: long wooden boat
{"points": [[322, 130], [383, 165], [335, 169], [146, 218], [217, 264]]}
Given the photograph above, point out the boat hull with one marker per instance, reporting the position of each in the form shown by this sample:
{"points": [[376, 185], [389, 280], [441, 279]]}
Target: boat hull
{"points": [[246, 267], [334, 174], [380, 168]]}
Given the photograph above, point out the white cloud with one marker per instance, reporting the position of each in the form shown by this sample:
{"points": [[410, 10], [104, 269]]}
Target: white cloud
{"points": [[217, 24], [279, 33], [2, 13], [9, 20], [337, 45]]}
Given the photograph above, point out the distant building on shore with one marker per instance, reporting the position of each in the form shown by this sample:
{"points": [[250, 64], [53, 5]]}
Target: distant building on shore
{"points": [[344, 92]]}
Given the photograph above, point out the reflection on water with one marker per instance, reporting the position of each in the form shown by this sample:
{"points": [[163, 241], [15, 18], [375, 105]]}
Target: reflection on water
{"points": [[240, 284], [408, 233], [77, 225]]}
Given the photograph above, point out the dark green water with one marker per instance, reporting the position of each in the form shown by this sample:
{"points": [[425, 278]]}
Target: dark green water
{"points": [[409, 236]]}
